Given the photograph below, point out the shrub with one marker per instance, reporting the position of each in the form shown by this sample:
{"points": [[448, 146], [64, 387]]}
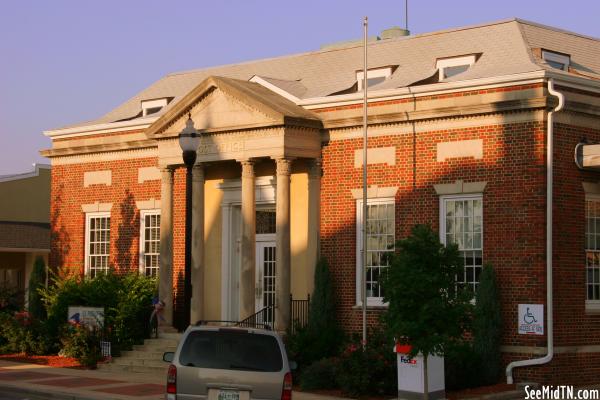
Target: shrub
{"points": [[82, 343], [37, 281], [321, 337], [126, 300], [487, 327], [371, 371], [461, 366], [22, 334], [321, 374]]}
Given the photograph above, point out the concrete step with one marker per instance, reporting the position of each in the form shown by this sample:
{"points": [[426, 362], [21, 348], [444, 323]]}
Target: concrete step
{"points": [[170, 335], [162, 342], [153, 348], [147, 355], [139, 362]]}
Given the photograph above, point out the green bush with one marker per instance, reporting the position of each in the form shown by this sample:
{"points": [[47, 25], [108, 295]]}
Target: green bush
{"points": [[487, 327], [321, 374], [81, 343], [37, 281], [461, 366], [19, 333], [371, 371], [126, 299], [321, 337]]}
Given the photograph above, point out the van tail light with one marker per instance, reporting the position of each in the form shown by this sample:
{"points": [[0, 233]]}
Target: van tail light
{"points": [[172, 380], [286, 393]]}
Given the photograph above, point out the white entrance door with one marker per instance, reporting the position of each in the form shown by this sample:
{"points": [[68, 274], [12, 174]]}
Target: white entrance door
{"points": [[265, 276]]}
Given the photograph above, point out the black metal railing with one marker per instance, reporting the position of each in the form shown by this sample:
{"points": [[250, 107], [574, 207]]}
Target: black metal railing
{"points": [[262, 319], [299, 311]]}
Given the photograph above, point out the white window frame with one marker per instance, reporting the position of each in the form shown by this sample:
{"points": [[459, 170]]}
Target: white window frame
{"points": [[371, 301], [143, 214], [149, 104], [590, 305], [88, 217], [443, 199], [372, 73], [559, 58], [443, 63]]}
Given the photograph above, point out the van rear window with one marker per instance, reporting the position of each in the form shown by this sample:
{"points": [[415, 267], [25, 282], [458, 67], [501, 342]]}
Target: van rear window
{"points": [[241, 351]]}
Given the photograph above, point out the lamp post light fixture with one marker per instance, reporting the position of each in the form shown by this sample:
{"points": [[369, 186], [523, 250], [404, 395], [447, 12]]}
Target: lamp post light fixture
{"points": [[189, 140]]}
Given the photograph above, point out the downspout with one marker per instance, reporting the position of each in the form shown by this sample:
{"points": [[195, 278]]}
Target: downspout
{"points": [[549, 305]]}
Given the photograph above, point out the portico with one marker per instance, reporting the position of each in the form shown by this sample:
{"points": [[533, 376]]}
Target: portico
{"points": [[249, 134]]}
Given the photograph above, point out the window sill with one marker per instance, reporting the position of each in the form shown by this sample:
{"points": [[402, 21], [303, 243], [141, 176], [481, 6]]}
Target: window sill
{"points": [[592, 306], [358, 307]]}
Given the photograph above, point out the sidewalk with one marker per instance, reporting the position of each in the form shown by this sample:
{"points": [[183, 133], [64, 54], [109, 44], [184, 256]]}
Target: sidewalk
{"points": [[40, 381], [74, 384]]}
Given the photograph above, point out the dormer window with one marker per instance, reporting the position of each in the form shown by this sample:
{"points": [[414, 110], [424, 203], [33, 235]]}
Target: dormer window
{"points": [[150, 107], [449, 67], [374, 76], [556, 60]]}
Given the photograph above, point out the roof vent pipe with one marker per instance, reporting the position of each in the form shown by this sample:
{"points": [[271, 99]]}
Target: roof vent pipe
{"points": [[394, 32], [549, 295]]}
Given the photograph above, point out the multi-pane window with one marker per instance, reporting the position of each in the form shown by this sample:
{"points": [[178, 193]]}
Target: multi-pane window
{"points": [[592, 246], [380, 226], [97, 243], [462, 223], [150, 242]]}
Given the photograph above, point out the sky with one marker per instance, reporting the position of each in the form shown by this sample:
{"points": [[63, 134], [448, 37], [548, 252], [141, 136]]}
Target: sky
{"points": [[67, 61]]}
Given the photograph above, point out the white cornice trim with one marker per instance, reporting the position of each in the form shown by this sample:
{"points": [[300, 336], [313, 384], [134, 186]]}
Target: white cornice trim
{"points": [[276, 89], [141, 123], [426, 90]]}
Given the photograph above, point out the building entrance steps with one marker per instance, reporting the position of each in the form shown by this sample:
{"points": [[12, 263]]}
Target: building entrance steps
{"points": [[146, 358]]}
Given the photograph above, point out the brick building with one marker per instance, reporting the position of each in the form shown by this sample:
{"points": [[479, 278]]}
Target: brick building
{"points": [[458, 124]]}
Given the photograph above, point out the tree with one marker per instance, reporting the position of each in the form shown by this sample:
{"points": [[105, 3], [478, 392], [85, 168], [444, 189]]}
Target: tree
{"points": [[487, 326], [37, 280], [427, 309], [323, 328]]}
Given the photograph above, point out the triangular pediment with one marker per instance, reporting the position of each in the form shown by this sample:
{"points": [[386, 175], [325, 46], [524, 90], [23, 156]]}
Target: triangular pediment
{"points": [[223, 104]]}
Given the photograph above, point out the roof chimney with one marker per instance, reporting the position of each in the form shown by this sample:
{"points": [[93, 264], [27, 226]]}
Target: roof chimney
{"points": [[394, 32]]}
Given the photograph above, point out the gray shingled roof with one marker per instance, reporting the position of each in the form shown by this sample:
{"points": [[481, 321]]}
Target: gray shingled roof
{"points": [[505, 48]]}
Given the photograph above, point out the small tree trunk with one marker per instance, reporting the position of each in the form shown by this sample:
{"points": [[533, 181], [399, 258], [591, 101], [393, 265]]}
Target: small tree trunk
{"points": [[425, 377]]}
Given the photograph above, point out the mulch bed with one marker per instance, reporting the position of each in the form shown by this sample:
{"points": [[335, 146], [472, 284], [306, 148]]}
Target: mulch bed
{"points": [[51, 361]]}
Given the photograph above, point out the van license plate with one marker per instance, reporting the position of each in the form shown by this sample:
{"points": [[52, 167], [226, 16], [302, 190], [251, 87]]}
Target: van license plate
{"points": [[228, 395]]}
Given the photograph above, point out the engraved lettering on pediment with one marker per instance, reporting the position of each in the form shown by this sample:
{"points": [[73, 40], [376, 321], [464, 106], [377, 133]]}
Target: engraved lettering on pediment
{"points": [[224, 147]]}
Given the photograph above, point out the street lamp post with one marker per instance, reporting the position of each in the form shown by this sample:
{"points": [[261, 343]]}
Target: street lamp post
{"points": [[189, 140]]}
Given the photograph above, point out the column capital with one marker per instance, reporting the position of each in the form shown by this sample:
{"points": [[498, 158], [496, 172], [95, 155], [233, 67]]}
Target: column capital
{"points": [[167, 174], [198, 172], [248, 168], [284, 165], [315, 168]]}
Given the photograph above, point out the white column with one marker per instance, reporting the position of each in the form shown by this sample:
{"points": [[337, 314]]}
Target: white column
{"points": [[248, 270], [165, 286], [314, 221], [283, 252], [196, 312]]}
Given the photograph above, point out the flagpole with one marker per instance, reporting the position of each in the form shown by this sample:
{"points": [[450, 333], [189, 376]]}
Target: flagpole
{"points": [[364, 210]]}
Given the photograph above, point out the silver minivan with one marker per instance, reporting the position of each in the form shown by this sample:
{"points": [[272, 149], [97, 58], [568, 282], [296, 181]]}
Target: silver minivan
{"points": [[228, 363]]}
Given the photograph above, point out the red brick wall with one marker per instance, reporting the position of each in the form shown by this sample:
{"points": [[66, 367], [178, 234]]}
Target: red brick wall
{"points": [[513, 205], [514, 225], [572, 325], [68, 219]]}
